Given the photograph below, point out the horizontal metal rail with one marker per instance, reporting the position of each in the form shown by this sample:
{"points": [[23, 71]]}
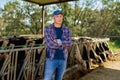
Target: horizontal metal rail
{"points": [[21, 49]]}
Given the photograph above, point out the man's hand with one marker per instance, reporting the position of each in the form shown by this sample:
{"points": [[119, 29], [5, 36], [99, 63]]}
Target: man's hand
{"points": [[55, 40], [65, 46]]}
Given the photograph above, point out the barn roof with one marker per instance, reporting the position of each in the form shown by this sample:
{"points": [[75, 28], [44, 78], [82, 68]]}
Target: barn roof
{"points": [[46, 2]]}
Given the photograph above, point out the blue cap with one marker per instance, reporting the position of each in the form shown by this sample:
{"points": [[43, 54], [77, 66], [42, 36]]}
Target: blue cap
{"points": [[56, 12]]}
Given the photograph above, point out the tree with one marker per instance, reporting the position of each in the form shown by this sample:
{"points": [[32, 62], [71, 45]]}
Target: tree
{"points": [[85, 18], [25, 18]]}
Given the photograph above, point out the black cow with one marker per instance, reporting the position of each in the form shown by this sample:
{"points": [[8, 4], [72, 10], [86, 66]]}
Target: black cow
{"points": [[21, 42]]}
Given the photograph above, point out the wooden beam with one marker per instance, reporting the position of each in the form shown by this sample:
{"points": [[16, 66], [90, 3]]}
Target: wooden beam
{"points": [[40, 2]]}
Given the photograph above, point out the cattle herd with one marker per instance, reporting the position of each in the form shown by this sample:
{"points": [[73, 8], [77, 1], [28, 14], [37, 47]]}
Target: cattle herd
{"points": [[22, 58]]}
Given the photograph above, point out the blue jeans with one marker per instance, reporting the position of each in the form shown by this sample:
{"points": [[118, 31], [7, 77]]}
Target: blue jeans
{"points": [[54, 66]]}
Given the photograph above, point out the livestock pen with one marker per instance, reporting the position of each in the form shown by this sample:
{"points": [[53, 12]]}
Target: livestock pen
{"points": [[26, 62]]}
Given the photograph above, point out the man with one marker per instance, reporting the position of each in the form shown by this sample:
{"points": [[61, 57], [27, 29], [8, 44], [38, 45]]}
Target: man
{"points": [[58, 39]]}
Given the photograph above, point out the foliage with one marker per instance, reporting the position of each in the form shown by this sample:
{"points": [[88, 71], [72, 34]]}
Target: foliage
{"points": [[85, 18], [114, 45], [25, 19]]}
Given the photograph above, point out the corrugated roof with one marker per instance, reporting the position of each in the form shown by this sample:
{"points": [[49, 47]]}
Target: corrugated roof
{"points": [[46, 2]]}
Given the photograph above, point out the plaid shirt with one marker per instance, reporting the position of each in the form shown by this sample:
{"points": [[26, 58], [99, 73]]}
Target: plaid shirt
{"points": [[52, 46]]}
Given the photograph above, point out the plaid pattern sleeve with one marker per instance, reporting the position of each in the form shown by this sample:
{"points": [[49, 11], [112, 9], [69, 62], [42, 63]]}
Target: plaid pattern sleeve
{"points": [[49, 39], [67, 40]]}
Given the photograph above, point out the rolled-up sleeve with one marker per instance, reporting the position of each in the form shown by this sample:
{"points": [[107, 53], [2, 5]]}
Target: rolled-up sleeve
{"points": [[49, 40]]}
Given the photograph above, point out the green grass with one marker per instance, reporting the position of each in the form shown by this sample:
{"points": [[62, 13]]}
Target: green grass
{"points": [[114, 45]]}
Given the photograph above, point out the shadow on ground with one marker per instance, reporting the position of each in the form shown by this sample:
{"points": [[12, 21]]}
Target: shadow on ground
{"points": [[102, 74]]}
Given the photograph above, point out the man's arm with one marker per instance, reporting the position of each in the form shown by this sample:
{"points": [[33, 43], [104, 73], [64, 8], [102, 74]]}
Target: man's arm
{"points": [[52, 43], [67, 42]]}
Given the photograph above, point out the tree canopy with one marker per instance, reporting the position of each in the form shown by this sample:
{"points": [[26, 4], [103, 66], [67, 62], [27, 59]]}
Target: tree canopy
{"points": [[94, 18]]}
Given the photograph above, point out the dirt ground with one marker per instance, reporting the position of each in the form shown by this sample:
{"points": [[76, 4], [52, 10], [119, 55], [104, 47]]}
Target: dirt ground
{"points": [[110, 71]]}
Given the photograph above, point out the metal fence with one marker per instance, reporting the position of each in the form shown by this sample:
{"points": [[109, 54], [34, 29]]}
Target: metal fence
{"points": [[15, 66]]}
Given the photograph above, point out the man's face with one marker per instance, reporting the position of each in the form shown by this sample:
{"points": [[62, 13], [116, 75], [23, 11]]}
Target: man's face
{"points": [[58, 18]]}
